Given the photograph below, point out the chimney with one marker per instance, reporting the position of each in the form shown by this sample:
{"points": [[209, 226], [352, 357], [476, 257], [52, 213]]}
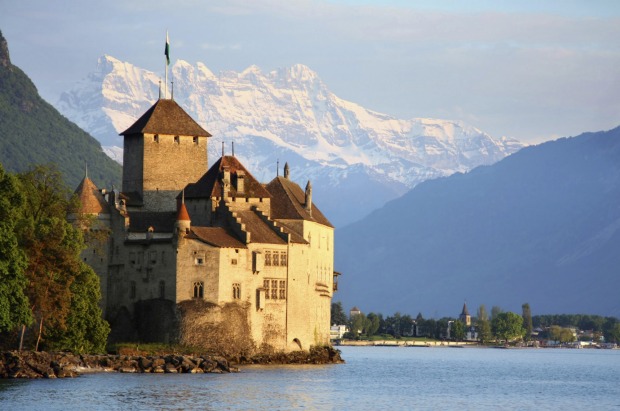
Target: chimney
{"points": [[308, 204], [240, 181], [225, 182]]}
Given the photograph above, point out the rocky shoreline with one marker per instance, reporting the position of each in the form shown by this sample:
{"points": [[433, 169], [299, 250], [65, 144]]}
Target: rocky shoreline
{"points": [[30, 364]]}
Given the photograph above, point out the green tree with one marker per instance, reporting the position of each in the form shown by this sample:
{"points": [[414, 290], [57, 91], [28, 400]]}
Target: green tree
{"points": [[613, 334], [14, 307], [338, 316], [527, 321], [458, 331], [86, 331], [507, 326], [483, 325], [374, 322], [53, 248], [561, 334]]}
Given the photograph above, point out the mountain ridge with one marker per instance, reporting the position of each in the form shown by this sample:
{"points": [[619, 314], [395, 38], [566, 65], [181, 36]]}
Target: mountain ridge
{"points": [[291, 115], [540, 226]]}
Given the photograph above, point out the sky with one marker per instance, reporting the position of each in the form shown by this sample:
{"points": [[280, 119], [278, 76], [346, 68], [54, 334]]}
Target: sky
{"points": [[531, 70]]}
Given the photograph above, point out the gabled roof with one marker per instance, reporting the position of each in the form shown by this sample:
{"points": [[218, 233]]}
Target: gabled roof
{"points": [[288, 200], [216, 236], [91, 199], [260, 232], [210, 184], [166, 117]]}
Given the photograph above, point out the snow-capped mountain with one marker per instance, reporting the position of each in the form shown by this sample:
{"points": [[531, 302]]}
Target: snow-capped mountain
{"points": [[353, 155]]}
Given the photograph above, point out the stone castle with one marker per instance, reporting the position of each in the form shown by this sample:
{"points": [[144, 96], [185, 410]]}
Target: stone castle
{"points": [[207, 257]]}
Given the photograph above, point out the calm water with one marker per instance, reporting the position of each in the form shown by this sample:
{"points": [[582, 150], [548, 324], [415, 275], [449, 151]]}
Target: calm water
{"points": [[373, 378]]}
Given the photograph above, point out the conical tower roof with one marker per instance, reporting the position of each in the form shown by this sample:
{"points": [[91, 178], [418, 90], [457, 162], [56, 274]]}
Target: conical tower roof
{"points": [[91, 199]]}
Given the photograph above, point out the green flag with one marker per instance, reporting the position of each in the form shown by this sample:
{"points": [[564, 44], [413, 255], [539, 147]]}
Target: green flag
{"points": [[167, 50]]}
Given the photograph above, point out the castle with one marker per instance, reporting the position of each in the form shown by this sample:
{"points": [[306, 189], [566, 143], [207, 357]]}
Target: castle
{"points": [[207, 257]]}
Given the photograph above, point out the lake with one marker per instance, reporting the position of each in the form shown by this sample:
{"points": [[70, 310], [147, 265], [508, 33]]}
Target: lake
{"points": [[398, 378]]}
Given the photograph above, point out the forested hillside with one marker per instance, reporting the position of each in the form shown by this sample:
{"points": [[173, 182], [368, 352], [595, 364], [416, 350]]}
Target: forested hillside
{"points": [[33, 132]]}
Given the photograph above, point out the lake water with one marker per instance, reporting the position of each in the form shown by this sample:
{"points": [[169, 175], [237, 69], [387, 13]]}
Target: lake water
{"points": [[374, 378]]}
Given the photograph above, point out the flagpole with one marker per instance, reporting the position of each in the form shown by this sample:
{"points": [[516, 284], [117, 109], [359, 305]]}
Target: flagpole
{"points": [[167, 55]]}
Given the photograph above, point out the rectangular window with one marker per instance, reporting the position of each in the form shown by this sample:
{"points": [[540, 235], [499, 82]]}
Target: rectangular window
{"points": [[195, 140], [156, 138], [200, 260], [275, 259], [282, 290], [266, 287], [132, 258], [236, 291], [233, 261], [176, 139], [162, 289], [153, 257], [274, 289], [283, 262], [132, 291], [267, 258]]}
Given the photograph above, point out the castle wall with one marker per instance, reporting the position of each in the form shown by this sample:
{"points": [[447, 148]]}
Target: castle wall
{"points": [[133, 164], [170, 163]]}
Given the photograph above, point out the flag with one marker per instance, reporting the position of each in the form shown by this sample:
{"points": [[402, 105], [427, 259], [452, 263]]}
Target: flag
{"points": [[167, 50]]}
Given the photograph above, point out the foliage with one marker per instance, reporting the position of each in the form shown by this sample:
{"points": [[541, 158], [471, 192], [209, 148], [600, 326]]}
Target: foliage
{"points": [[495, 310], [458, 331], [86, 331], [14, 309], [33, 132], [59, 288], [561, 334], [613, 334], [338, 316], [507, 326], [483, 324], [527, 321]]}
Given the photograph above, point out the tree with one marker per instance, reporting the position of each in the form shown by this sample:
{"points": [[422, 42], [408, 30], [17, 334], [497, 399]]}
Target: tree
{"points": [[527, 321], [374, 322], [53, 248], [613, 334], [14, 307], [495, 310], [338, 316], [458, 330], [507, 326], [483, 325], [561, 334], [86, 330]]}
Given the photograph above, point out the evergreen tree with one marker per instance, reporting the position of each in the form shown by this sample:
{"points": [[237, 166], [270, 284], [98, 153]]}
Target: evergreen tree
{"points": [[483, 325], [14, 308], [527, 321], [338, 316]]}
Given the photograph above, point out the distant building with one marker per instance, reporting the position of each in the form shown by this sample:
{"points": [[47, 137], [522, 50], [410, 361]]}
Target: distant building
{"points": [[354, 311], [196, 255], [336, 332], [465, 318]]}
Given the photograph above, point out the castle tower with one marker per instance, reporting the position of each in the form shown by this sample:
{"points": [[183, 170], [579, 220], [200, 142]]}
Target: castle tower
{"points": [[465, 317], [94, 218], [164, 150]]}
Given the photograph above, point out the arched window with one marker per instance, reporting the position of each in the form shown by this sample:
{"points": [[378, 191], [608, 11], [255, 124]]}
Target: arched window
{"points": [[236, 291], [198, 289]]}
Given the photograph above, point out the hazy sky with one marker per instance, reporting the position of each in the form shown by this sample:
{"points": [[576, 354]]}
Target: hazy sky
{"points": [[532, 70]]}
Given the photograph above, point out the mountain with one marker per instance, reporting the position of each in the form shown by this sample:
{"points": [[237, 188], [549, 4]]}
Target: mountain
{"points": [[541, 226], [33, 132], [351, 154]]}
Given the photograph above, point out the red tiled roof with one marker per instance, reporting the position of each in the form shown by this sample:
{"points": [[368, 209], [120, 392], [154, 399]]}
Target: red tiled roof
{"points": [[216, 236], [91, 199], [210, 184], [166, 117], [287, 202], [182, 214]]}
